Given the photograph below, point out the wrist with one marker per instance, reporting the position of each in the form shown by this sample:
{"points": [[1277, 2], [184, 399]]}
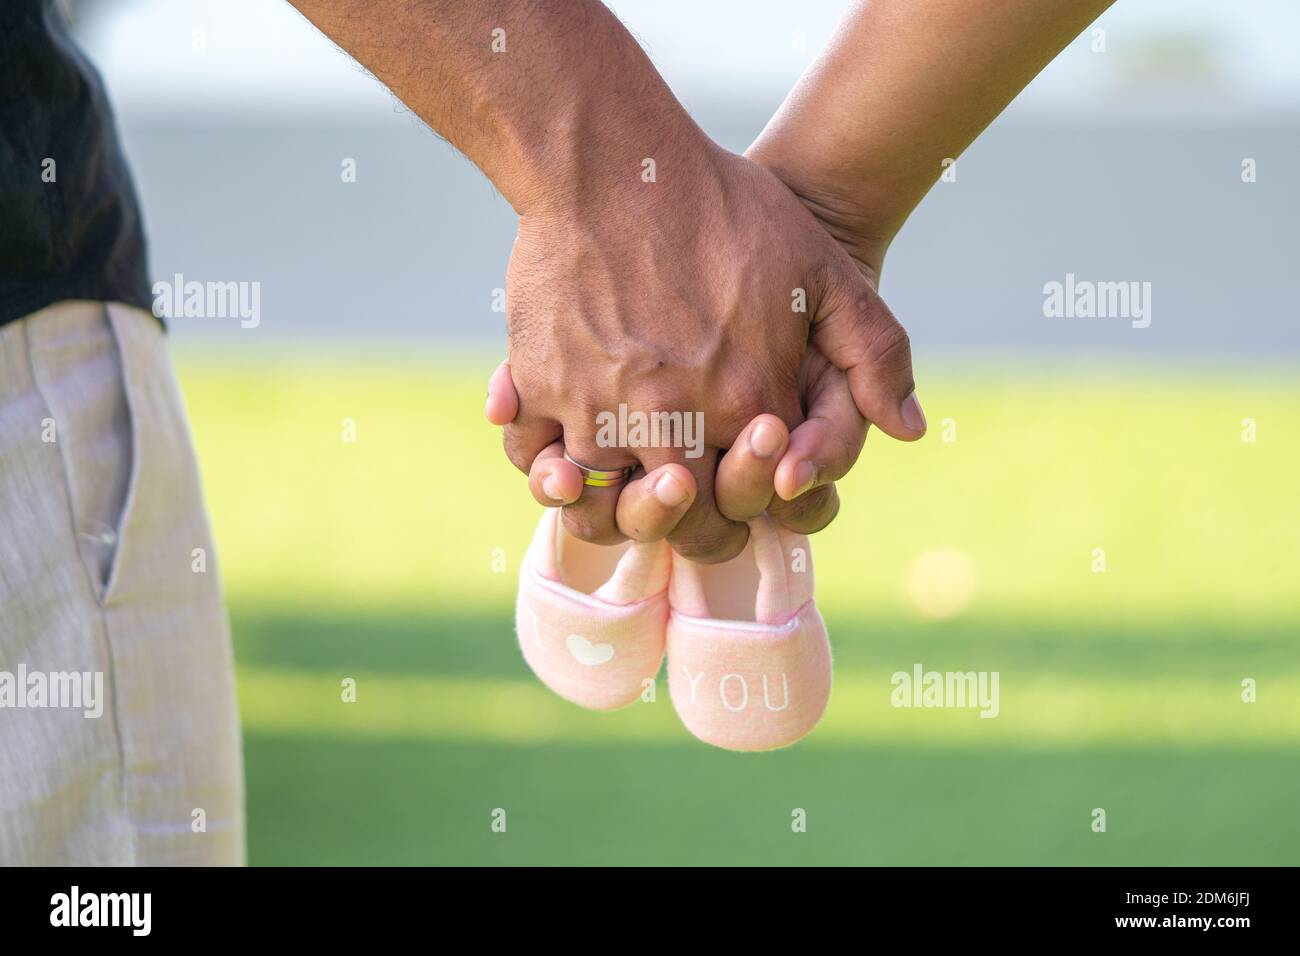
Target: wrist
{"points": [[862, 223], [583, 124], [608, 149]]}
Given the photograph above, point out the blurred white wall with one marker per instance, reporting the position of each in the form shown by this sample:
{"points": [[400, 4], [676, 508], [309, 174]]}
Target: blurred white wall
{"points": [[1122, 166], [253, 56]]}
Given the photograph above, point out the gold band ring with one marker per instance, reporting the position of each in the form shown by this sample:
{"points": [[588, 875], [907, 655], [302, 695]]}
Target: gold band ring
{"points": [[601, 477]]}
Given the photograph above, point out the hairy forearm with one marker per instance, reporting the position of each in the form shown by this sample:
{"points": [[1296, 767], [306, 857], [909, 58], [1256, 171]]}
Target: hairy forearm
{"points": [[904, 85], [552, 99]]}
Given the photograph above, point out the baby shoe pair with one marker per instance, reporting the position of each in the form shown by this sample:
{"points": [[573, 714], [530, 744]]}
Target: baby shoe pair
{"points": [[749, 663]]}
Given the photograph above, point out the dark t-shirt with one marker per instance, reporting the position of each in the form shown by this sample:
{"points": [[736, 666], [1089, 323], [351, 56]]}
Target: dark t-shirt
{"points": [[69, 222]]}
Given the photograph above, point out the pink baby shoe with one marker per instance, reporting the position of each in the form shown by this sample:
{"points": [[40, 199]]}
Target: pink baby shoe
{"points": [[749, 663], [591, 618]]}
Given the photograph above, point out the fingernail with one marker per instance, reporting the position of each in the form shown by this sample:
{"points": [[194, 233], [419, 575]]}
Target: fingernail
{"points": [[550, 488], [805, 476], [913, 417], [669, 491], [764, 440]]}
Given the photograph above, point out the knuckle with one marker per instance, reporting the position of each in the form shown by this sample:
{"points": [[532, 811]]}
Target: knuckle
{"points": [[589, 528], [516, 450], [843, 453], [654, 396], [707, 546], [743, 510], [810, 512], [737, 405], [826, 278], [642, 526], [889, 346]]}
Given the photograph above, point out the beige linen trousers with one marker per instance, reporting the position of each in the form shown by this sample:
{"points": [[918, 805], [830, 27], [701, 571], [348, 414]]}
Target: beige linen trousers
{"points": [[107, 572]]}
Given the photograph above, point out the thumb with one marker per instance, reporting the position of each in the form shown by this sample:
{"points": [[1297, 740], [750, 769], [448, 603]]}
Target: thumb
{"points": [[502, 400], [854, 328]]}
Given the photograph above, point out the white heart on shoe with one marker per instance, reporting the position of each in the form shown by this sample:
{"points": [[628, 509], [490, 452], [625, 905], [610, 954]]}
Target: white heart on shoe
{"points": [[585, 652]]}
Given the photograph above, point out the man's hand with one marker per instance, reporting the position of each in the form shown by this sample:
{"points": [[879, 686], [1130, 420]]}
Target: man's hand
{"points": [[652, 269], [695, 292], [765, 469]]}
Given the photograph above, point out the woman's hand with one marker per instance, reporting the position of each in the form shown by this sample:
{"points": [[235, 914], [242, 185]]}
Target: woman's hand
{"points": [[697, 292]]}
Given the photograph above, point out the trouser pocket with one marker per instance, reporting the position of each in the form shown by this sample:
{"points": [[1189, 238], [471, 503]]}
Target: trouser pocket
{"points": [[77, 366]]}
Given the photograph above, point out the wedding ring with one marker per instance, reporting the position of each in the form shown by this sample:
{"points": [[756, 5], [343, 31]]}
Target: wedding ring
{"points": [[601, 477]]}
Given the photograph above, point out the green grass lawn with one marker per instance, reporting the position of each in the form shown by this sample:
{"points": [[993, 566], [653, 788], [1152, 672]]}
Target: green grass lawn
{"points": [[384, 561]]}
